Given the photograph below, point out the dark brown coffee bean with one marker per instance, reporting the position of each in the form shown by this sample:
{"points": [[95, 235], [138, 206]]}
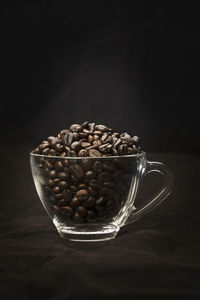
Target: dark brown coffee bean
{"points": [[58, 165], [67, 210], [73, 189], [82, 211], [90, 175], [91, 191], [98, 133], [50, 183], [63, 184], [61, 202], [131, 150], [82, 153], [117, 143], [96, 137], [100, 201], [137, 140], [66, 195], [74, 180], [109, 204], [86, 131], [105, 176], [86, 164], [36, 150], [58, 196], [91, 147], [77, 218], [55, 141], [83, 135], [56, 180], [114, 151], [56, 208], [63, 154], [72, 153], [101, 128], [50, 139], [97, 143], [75, 136], [56, 189], [59, 147], [125, 135], [52, 152], [75, 202], [85, 144], [62, 175], [76, 146], [94, 153], [90, 139], [91, 126], [97, 166], [85, 124], [52, 174], [67, 171], [109, 184], [95, 184], [48, 164], [68, 137], [82, 195], [47, 189], [105, 148], [91, 216], [46, 151], [82, 186], [65, 162], [75, 128], [43, 146], [90, 202], [109, 166], [104, 137], [104, 191], [99, 208], [122, 149], [77, 171]]}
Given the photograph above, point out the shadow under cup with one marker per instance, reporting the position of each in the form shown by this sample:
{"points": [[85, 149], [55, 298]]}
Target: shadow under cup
{"points": [[88, 198]]}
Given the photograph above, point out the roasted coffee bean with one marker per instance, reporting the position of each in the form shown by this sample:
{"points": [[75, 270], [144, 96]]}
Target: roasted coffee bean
{"points": [[68, 137], [59, 147], [91, 191], [90, 139], [52, 174], [97, 143], [96, 137], [50, 139], [94, 153], [105, 176], [75, 202], [86, 164], [95, 184], [36, 150], [104, 191], [83, 135], [57, 208], [136, 140], [100, 201], [77, 218], [58, 196], [74, 180], [73, 189], [91, 147], [122, 149], [50, 183], [58, 165], [77, 171], [46, 151], [66, 195], [65, 162], [85, 124], [63, 154], [83, 153], [63, 184], [67, 210], [109, 184], [56, 189], [105, 148], [91, 126], [75, 128], [43, 146], [109, 204], [67, 171], [82, 195], [52, 152], [62, 175], [48, 164], [117, 143], [90, 175], [90, 202], [97, 166], [47, 189], [101, 128], [61, 202], [91, 216], [72, 153], [109, 166], [104, 137], [76, 146], [75, 136], [131, 150], [82, 186], [56, 180], [99, 208], [85, 144], [82, 211], [98, 133]]}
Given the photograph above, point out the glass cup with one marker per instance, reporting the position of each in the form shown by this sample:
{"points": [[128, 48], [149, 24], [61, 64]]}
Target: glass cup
{"points": [[90, 198]]}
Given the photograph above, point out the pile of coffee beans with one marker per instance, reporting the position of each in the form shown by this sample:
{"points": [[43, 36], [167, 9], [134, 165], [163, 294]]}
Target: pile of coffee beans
{"points": [[91, 189], [89, 139]]}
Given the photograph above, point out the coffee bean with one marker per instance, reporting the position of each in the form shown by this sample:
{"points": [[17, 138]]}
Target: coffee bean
{"points": [[101, 128], [109, 184], [58, 165], [86, 164], [75, 136], [99, 208], [85, 124], [91, 191], [90, 202], [52, 174], [63, 154], [65, 162], [117, 143], [75, 128], [83, 135], [36, 150], [97, 166], [90, 175], [91, 147], [105, 148], [94, 153], [56, 189], [85, 144], [90, 139], [50, 183], [47, 189], [82, 195], [117, 176], [95, 184], [67, 210], [136, 140], [96, 137], [109, 166], [91, 216], [109, 204], [77, 218], [72, 153], [76, 146], [105, 176], [98, 133], [104, 191], [122, 149], [104, 137], [43, 146], [58, 196], [56, 208], [77, 171], [62, 175], [68, 137], [97, 143], [66, 195], [75, 202], [46, 151], [48, 164], [63, 184], [131, 150], [82, 211], [73, 189], [61, 202], [59, 147], [52, 152], [91, 126], [100, 201], [82, 153]]}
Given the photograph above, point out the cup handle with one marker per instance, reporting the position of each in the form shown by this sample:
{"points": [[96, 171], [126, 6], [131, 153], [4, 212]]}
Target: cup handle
{"points": [[159, 196]]}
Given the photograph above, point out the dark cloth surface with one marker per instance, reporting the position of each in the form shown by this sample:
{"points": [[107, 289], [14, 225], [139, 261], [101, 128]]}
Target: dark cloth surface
{"points": [[159, 255]]}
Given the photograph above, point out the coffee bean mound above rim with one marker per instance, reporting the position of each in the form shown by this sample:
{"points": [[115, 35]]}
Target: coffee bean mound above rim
{"points": [[84, 190], [89, 140]]}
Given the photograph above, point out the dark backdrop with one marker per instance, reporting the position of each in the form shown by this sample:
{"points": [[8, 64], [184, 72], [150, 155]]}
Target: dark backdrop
{"points": [[131, 66]]}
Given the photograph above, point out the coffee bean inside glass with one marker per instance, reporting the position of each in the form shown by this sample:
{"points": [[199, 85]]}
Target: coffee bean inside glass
{"points": [[87, 179]]}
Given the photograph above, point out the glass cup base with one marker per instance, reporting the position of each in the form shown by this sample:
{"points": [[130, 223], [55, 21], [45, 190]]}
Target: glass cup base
{"points": [[87, 233]]}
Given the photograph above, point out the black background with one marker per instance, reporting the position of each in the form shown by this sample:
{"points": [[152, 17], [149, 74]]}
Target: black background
{"points": [[134, 67]]}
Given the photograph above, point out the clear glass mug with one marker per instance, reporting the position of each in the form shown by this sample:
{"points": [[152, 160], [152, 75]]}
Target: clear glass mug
{"points": [[90, 198]]}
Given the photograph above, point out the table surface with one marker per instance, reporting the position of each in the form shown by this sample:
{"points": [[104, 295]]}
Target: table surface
{"points": [[157, 255]]}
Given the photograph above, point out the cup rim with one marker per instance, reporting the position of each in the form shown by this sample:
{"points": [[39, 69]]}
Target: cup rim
{"points": [[137, 155]]}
